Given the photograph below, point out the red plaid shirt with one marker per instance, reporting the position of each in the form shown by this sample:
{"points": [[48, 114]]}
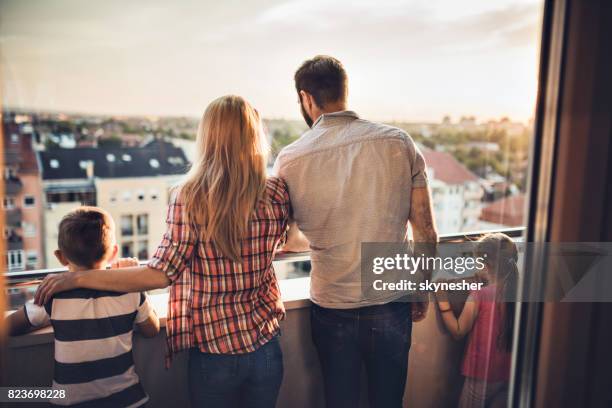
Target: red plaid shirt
{"points": [[215, 304]]}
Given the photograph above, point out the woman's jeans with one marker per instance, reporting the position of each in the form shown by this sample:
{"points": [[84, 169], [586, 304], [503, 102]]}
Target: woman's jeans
{"points": [[236, 380], [377, 337]]}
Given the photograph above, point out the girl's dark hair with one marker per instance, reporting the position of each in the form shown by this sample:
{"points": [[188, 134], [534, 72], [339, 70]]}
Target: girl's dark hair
{"points": [[501, 256]]}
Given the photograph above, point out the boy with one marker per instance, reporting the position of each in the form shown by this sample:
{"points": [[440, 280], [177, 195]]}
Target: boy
{"points": [[92, 329]]}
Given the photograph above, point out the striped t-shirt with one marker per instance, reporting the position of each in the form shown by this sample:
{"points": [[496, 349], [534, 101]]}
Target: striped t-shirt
{"points": [[93, 345]]}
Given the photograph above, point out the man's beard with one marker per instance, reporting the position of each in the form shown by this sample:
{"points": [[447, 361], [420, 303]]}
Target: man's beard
{"points": [[305, 115]]}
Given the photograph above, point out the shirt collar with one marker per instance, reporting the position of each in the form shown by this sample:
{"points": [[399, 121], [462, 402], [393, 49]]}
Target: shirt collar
{"points": [[340, 114]]}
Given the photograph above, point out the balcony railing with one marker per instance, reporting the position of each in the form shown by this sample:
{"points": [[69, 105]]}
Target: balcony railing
{"points": [[14, 242], [515, 232], [12, 186], [13, 218], [435, 356]]}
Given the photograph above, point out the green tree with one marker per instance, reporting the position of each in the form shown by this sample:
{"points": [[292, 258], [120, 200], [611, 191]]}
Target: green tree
{"points": [[281, 138]]}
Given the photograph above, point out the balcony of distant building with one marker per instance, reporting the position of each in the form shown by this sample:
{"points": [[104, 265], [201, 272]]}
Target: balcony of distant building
{"points": [[12, 186], [13, 217], [14, 241]]}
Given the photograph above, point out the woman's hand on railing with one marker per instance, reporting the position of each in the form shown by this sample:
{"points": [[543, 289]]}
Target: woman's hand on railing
{"points": [[53, 284]]}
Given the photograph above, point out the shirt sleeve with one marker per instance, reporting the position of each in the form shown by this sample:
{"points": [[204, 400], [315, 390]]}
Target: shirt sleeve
{"points": [[36, 315], [173, 255], [279, 195], [276, 167], [419, 167], [144, 308]]}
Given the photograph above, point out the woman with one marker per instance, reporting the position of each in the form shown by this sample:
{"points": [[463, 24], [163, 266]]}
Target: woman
{"points": [[224, 224]]}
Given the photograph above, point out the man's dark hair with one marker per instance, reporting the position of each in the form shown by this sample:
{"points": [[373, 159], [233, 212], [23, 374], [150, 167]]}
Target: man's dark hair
{"points": [[324, 78], [85, 236]]}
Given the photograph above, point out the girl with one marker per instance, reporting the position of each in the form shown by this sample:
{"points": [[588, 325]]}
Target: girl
{"points": [[224, 224], [488, 320]]}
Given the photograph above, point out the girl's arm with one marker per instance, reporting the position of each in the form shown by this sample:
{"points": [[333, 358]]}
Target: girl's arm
{"points": [[132, 279], [459, 327]]}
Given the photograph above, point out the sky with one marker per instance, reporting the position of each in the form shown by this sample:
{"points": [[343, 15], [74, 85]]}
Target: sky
{"points": [[407, 60]]}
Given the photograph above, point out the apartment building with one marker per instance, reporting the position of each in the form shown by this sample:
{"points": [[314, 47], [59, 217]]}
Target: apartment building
{"points": [[21, 202], [131, 183], [456, 192]]}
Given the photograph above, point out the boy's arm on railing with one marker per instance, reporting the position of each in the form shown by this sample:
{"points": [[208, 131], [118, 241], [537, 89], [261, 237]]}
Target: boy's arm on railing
{"points": [[133, 279], [18, 323], [146, 319], [150, 327]]}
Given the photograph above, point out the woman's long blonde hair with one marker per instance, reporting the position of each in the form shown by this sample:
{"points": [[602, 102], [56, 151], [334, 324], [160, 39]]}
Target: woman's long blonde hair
{"points": [[229, 175]]}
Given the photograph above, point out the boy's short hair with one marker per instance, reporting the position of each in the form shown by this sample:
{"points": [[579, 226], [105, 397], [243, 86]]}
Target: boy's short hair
{"points": [[324, 78], [86, 235]]}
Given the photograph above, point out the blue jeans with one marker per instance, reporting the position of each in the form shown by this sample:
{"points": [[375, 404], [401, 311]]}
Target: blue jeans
{"points": [[236, 380], [377, 337]]}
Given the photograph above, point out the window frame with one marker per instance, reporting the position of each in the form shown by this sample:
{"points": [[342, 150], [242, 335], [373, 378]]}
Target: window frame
{"points": [[29, 233], [28, 254], [9, 203], [29, 196], [145, 230], [12, 266], [121, 225]]}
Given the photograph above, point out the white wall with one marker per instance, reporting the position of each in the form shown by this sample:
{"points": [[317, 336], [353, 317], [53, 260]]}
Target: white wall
{"points": [[456, 207], [133, 197], [448, 205], [53, 215]]}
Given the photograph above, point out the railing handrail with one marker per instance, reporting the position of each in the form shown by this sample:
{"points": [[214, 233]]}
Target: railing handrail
{"points": [[514, 232]]}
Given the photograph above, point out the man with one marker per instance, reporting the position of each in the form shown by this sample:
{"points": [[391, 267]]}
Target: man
{"points": [[352, 181]]}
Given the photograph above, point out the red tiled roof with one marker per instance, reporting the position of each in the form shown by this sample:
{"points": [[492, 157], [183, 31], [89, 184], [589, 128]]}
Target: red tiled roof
{"points": [[446, 168], [506, 211]]}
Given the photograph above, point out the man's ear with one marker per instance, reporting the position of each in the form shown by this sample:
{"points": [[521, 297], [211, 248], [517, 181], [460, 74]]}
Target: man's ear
{"points": [[60, 257], [307, 101]]}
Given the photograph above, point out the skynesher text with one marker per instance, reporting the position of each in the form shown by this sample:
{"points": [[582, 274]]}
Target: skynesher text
{"points": [[429, 286]]}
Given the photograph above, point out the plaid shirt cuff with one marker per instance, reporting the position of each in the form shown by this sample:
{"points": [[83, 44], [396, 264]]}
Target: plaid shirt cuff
{"points": [[170, 260]]}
